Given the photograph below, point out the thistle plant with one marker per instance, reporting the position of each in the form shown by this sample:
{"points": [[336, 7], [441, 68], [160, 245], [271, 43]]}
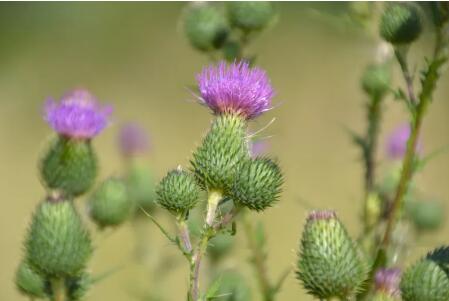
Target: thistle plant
{"points": [[221, 167], [58, 244]]}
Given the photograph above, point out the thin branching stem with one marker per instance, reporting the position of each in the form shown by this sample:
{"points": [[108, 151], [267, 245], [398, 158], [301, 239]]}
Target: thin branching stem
{"points": [[258, 260]]}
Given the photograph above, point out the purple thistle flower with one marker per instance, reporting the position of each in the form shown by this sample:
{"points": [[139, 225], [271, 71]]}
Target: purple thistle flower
{"points": [[133, 140], [397, 142], [77, 115], [235, 88], [321, 215], [387, 281]]}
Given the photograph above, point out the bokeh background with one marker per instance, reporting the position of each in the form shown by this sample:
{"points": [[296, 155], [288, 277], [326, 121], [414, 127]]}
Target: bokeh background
{"points": [[134, 55]]}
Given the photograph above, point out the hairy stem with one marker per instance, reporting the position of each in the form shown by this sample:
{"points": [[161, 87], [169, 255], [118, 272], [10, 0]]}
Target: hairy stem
{"points": [[214, 198], [258, 260], [58, 289]]}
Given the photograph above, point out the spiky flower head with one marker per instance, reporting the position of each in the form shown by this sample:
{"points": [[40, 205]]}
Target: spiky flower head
{"points": [[329, 264], [257, 185], [217, 160], [387, 281], [397, 142], [400, 23], [77, 115], [428, 279], [178, 192], [133, 140], [110, 205], [69, 165], [58, 243], [235, 88]]}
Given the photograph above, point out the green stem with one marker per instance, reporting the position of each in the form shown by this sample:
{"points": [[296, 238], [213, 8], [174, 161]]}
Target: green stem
{"points": [[258, 260], [184, 236], [214, 198], [58, 288]]}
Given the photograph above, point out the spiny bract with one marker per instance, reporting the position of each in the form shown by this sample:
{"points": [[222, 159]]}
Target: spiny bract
{"points": [[69, 166], [58, 243], [178, 192], [329, 263], [216, 162], [258, 183]]}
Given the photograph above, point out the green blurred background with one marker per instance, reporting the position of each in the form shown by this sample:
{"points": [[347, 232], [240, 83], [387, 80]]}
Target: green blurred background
{"points": [[135, 56]]}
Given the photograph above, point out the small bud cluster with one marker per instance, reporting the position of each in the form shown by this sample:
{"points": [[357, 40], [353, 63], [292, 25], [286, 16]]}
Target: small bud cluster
{"points": [[226, 30]]}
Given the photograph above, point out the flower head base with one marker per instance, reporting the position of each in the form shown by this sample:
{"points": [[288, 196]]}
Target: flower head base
{"points": [[235, 88], [387, 281], [77, 115], [397, 142], [133, 140]]}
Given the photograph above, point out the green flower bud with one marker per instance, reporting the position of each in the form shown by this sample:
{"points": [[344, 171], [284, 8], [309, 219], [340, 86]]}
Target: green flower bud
{"points": [[29, 282], [69, 165], [329, 264], [205, 26], [233, 287], [58, 243], [140, 185], [109, 205], [426, 215], [219, 246], [400, 23], [225, 147], [78, 286], [251, 15], [178, 192], [425, 280], [376, 80], [258, 183]]}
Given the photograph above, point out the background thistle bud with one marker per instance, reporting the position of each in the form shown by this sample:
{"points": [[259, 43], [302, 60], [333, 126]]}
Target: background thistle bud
{"points": [[140, 183], [258, 183], [225, 146], [58, 243], [425, 280], [400, 23], [78, 286], [205, 26], [250, 15], [329, 263], [69, 166], [426, 215], [376, 80], [178, 192], [29, 282], [110, 205]]}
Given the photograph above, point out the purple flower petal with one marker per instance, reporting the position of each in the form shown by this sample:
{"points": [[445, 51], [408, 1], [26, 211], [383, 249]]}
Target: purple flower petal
{"points": [[133, 140], [397, 142], [235, 88]]}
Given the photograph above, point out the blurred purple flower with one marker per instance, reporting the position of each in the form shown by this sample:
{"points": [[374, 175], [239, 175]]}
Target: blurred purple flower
{"points": [[77, 115], [397, 142], [387, 281], [235, 88], [258, 147], [133, 140]]}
